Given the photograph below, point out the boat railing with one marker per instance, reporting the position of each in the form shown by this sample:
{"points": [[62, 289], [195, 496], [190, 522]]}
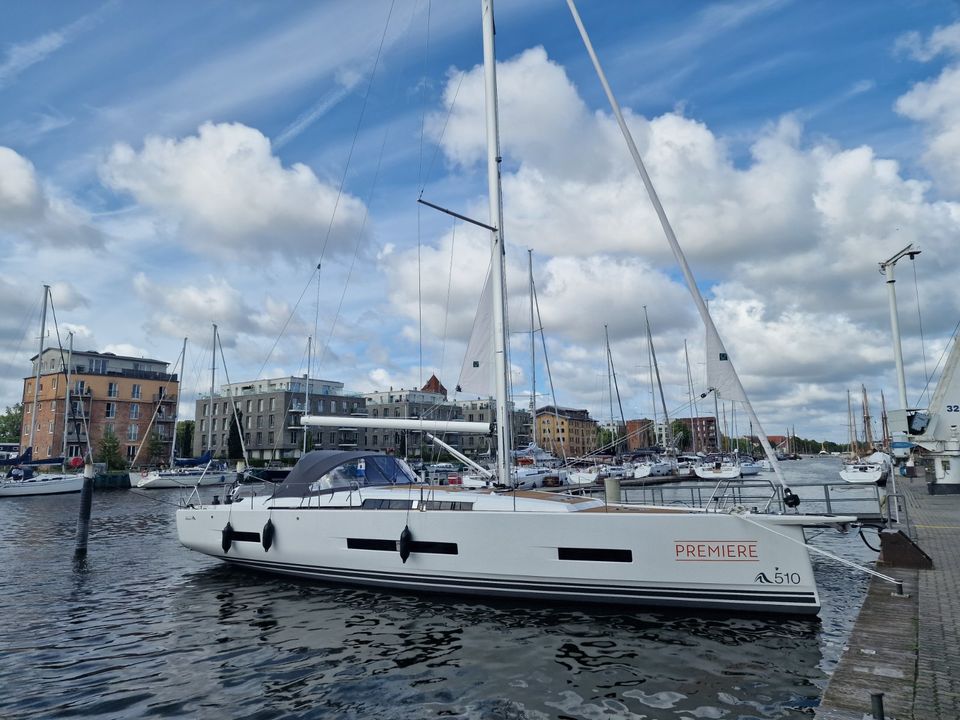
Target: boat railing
{"points": [[869, 503]]}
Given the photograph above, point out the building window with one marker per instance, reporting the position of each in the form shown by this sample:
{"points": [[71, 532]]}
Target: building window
{"points": [[333, 438], [270, 438], [259, 421], [249, 405], [135, 392], [131, 452], [79, 387], [50, 427], [259, 438], [203, 425], [260, 405], [247, 421], [113, 390], [111, 410], [320, 406], [270, 420], [213, 440], [134, 411], [273, 404], [132, 431]]}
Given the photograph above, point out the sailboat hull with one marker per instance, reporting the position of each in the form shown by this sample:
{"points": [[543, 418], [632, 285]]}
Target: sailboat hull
{"points": [[658, 557], [42, 485]]}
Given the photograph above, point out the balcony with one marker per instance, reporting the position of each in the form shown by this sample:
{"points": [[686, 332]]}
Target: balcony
{"points": [[157, 397]]}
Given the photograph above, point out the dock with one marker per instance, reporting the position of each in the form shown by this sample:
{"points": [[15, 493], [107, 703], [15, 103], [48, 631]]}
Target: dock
{"points": [[907, 648]]}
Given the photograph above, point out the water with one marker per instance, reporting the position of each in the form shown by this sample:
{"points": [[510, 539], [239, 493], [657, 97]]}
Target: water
{"points": [[150, 629]]}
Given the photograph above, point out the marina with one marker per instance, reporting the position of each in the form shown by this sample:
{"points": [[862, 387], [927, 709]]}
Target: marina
{"points": [[260, 645], [489, 426]]}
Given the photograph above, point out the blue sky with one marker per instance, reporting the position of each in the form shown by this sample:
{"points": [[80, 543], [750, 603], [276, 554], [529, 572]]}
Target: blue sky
{"points": [[172, 165]]}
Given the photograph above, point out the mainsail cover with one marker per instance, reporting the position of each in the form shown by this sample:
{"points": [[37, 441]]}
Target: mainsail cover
{"points": [[477, 374], [720, 373]]}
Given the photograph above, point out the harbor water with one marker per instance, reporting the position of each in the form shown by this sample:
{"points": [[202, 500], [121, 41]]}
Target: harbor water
{"points": [[150, 629]]}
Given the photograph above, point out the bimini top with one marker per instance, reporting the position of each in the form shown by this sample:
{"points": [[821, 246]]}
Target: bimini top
{"points": [[326, 471]]}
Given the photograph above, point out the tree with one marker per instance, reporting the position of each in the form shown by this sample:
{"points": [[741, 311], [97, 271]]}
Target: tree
{"points": [[11, 423], [678, 428], [185, 438], [108, 451], [234, 446], [155, 450]]}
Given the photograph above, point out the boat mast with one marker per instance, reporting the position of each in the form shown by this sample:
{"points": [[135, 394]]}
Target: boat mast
{"points": [[66, 409], [36, 381], [176, 405], [853, 441], [667, 433], [884, 423], [867, 431], [533, 356], [613, 430], [693, 402], [213, 377], [500, 340], [306, 392]]}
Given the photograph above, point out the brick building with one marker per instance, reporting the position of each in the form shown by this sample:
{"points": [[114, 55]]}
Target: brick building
{"points": [[133, 398], [566, 432]]}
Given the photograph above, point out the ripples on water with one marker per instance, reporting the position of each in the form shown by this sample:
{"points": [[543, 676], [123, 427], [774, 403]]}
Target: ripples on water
{"points": [[150, 629]]}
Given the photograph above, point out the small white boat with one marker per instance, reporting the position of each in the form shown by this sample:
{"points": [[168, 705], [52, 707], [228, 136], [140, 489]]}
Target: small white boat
{"points": [[43, 484], [861, 473], [718, 468], [749, 466], [185, 478]]}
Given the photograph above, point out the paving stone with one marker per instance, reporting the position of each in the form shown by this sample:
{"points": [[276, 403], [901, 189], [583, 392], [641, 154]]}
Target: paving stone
{"points": [[916, 641]]}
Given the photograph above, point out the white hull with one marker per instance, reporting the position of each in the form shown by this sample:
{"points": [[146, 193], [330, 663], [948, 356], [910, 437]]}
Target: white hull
{"points": [[747, 469], [862, 474], [544, 549], [712, 472], [42, 485], [155, 480]]}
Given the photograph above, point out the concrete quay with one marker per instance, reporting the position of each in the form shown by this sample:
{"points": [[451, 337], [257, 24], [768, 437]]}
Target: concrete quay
{"points": [[907, 648]]}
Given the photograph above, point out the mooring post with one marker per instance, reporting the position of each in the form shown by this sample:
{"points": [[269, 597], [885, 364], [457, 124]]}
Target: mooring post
{"points": [[876, 705], [83, 522], [611, 490]]}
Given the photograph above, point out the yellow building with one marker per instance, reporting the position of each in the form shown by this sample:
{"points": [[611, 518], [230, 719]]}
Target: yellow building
{"points": [[566, 432], [131, 397]]}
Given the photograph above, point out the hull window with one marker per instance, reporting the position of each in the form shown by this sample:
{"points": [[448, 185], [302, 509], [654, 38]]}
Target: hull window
{"points": [[245, 536], [595, 554], [416, 546]]}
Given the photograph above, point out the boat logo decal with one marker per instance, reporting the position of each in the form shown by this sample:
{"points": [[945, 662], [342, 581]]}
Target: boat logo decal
{"points": [[715, 551]]}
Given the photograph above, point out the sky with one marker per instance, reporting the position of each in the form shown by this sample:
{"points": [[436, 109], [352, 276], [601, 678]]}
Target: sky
{"points": [[167, 166]]}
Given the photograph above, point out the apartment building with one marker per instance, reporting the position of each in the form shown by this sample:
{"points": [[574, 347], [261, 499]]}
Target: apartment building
{"points": [[429, 403], [566, 432], [486, 411], [270, 412], [132, 398]]}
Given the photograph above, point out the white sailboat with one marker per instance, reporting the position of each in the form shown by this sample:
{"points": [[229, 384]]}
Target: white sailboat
{"points": [[868, 470], [364, 518], [207, 472], [21, 480]]}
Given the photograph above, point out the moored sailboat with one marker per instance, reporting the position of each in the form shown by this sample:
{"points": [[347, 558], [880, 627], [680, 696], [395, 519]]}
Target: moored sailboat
{"points": [[364, 518]]}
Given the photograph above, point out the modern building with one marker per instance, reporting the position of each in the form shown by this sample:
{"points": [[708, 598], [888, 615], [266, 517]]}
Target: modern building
{"points": [[566, 432], [132, 398], [486, 411], [429, 403], [270, 410]]}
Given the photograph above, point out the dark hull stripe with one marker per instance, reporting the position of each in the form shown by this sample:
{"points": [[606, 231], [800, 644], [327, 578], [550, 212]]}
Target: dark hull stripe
{"points": [[535, 588]]}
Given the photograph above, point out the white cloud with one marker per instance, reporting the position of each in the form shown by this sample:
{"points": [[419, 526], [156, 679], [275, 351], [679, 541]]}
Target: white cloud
{"points": [[34, 213], [232, 196], [189, 310], [936, 105]]}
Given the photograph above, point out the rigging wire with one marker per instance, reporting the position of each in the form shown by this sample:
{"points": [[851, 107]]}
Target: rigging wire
{"points": [[423, 122]]}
